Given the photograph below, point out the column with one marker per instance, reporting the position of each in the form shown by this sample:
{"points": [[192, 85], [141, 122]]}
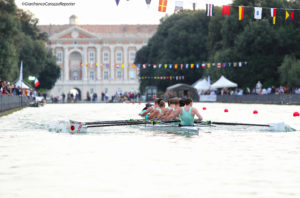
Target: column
{"points": [[85, 55], [98, 62], [66, 64], [126, 63], [112, 67]]}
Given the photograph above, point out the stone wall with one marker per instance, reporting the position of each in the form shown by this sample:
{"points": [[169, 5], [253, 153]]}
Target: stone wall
{"points": [[262, 99], [12, 102]]}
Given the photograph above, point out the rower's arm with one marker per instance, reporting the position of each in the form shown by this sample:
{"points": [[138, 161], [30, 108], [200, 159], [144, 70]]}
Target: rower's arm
{"points": [[173, 115], [198, 114], [153, 114], [146, 112]]}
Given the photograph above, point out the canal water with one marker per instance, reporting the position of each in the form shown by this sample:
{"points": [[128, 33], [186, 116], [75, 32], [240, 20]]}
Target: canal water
{"points": [[223, 161]]}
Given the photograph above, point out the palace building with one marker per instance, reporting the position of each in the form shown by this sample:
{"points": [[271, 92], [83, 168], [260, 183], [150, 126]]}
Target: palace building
{"points": [[96, 58]]}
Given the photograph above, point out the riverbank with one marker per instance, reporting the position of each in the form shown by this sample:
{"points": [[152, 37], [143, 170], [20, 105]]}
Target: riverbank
{"points": [[5, 113]]}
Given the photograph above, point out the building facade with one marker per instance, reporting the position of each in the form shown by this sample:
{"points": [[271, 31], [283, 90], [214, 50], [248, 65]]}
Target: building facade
{"points": [[96, 58]]}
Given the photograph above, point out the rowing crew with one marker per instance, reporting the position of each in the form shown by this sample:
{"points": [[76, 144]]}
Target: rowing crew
{"points": [[178, 109]]}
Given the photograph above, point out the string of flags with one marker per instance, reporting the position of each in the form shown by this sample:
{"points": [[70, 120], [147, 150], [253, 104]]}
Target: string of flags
{"points": [[226, 10], [161, 78], [173, 66]]}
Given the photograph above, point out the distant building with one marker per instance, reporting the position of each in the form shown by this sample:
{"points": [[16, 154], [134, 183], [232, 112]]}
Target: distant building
{"points": [[96, 58]]}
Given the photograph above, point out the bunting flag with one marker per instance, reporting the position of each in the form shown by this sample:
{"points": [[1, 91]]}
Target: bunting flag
{"points": [[273, 14], [192, 66], [107, 66], [144, 66], [289, 15], [117, 1], [117, 66], [86, 65], [178, 6], [123, 66], [170, 66], [219, 65], [226, 10], [176, 66], [241, 13], [154, 66], [203, 65], [210, 9], [162, 5], [133, 66], [257, 12], [166, 66]]}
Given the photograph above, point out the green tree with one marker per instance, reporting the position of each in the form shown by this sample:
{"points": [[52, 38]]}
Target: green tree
{"points": [[49, 74], [290, 71]]}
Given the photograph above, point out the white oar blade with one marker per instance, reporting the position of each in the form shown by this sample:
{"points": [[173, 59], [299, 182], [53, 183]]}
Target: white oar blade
{"points": [[77, 127]]}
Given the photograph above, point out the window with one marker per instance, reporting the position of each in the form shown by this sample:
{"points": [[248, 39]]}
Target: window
{"points": [[132, 74], [131, 57], [119, 57], [105, 57], [92, 75], [119, 75], [91, 57], [59, 57], [105, 75], [75, 75]]}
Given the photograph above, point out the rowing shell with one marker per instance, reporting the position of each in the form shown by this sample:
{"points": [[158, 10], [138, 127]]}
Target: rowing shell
{"points": [[81, 127]]}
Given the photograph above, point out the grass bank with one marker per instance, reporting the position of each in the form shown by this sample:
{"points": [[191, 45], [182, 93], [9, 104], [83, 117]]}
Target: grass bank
{"points": [[5, 113]]}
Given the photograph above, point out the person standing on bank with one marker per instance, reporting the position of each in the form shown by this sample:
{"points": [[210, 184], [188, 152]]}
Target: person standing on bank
{"points": [[187, 113]]}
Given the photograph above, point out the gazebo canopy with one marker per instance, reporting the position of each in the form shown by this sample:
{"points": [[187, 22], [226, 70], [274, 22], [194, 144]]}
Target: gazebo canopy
{"points": [[184, 90], [223, 83]]}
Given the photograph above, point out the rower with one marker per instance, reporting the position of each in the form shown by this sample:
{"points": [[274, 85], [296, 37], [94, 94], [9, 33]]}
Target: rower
{"points": [[178, 103], [150, 108], [155, 114], [187, 113]]}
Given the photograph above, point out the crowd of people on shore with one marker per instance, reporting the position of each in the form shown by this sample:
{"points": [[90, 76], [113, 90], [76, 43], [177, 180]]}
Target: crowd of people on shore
{"points": [[103, 97], [254, 91], [7, 88]]}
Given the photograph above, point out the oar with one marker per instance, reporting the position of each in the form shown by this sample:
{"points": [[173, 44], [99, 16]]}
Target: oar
{"points": [[107, 122], [232, 123], [119, 124]]}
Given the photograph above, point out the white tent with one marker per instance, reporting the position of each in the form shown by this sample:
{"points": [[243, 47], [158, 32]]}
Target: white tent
{"points": [[201, 84], [223, 83], [21, 84]]}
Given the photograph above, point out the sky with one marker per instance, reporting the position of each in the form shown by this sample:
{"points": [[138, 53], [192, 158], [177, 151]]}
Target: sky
{"points": [[106, 11]]}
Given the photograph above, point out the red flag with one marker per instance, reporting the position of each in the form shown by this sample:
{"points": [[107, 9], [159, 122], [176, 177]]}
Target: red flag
{"points": [[226, 10], [162, 5]]}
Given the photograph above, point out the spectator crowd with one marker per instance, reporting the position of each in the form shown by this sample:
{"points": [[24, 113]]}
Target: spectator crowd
{"points": [[7, 88]]}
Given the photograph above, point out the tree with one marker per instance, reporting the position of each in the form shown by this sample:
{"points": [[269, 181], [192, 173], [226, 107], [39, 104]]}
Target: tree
{"points": [[49, 74], [290, 71]]}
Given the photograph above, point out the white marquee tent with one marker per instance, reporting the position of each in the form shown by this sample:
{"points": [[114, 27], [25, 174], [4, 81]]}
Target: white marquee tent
{"points": [[21, 84], [223, 83], [202, 84]]}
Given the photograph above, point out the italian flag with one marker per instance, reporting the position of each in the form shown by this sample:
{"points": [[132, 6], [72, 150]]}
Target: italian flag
{"points": [[36, 82]]}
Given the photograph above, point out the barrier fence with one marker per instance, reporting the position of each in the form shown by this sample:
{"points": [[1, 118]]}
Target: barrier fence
{"points": [[11, 102]]}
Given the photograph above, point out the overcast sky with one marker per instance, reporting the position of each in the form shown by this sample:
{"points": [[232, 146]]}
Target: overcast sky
{"points": [[106, 11]]}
